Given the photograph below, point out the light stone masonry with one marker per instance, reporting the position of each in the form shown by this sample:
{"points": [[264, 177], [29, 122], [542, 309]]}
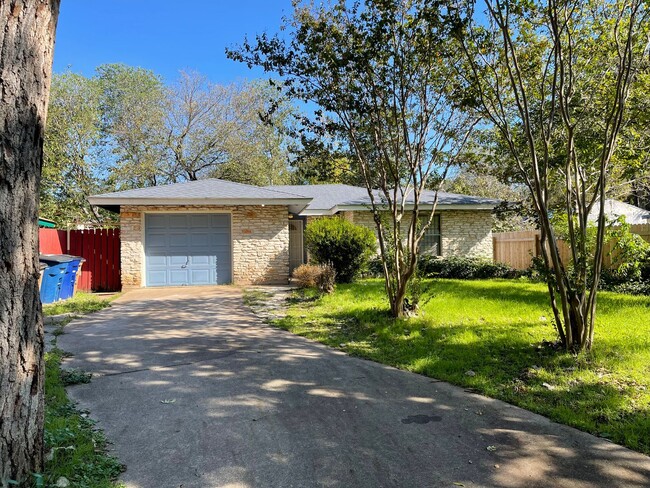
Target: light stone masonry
{"points": [[260, 242], [464, 233]]}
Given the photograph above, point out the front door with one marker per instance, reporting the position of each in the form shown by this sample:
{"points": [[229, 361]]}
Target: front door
{"points": [[296, 247]]}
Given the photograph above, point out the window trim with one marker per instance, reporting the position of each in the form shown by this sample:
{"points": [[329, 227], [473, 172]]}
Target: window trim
{"points": [[437, 236]]}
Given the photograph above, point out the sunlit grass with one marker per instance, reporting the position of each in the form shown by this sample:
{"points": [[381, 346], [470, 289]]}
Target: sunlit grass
{"points": [[81, 303], [76, 450], [492, 336]]}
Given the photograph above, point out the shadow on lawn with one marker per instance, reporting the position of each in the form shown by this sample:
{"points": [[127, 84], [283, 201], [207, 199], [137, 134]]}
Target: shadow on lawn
{"points": [[509, 364], [195, 391]]}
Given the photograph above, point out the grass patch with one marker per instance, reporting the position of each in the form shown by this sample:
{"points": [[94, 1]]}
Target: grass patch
{"points": [[76, 450], [490, 335], [253, 298], [81, 303]]}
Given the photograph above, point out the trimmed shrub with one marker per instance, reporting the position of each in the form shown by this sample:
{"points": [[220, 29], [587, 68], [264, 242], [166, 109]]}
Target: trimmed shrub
{"points": [[320, 276], [305, 275], [341, 244], [326, 279], [463, 268]]}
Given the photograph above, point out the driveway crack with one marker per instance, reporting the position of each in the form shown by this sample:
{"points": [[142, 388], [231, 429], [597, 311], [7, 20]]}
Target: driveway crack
{"points": [[169, 366]]}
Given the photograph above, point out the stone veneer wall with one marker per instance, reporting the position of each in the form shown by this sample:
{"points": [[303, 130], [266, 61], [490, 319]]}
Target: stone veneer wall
{"points": [[260, 242], [465, 233]]}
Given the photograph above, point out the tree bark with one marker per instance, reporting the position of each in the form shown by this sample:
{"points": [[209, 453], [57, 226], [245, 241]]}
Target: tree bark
{"points": [[27, 32]]}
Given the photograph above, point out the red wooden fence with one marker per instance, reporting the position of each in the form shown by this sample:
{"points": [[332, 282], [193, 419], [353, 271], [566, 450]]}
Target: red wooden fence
{"points": [[99, 247]]}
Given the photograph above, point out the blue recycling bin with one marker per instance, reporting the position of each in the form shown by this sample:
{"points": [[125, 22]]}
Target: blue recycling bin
{"points": [[66, 268], [52, 280], [70, 277]]}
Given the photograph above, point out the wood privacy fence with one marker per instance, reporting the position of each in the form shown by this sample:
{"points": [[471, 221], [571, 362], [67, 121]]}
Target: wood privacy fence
{"points": [[516, 249], [99, 247]]}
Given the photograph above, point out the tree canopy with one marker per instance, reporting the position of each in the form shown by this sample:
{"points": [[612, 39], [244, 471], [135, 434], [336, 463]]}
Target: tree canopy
{"points": [[379, 75], [124, 128]]}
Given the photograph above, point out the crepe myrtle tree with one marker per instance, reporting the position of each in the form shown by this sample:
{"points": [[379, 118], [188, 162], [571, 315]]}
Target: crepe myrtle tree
{"points": [[553, 77], [379, 74]]}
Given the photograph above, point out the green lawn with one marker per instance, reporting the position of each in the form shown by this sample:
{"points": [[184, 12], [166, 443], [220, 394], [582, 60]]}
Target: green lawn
{"points": [[81, 303], [488, 335], [76, 449]]}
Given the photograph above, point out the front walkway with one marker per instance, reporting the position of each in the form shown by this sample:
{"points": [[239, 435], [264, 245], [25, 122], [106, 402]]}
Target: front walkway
{"points": [[194, 391]]}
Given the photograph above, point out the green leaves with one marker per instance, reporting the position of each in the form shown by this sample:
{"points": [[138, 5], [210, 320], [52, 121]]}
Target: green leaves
{"points": [[342, 244]]}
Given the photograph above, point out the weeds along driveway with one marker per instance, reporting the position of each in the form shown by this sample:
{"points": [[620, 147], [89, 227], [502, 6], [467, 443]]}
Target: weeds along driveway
{"points": [[194, 391]]}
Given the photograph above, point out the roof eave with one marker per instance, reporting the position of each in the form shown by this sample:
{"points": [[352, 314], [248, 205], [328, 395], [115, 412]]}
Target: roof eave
{"points": [[111, 203], [425, 206]]}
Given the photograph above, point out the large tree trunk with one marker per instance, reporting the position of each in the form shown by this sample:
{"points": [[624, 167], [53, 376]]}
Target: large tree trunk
{"points": [[27, 31]]}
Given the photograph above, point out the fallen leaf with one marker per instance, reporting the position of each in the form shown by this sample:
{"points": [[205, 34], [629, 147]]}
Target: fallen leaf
{"points": [[62, 482]]}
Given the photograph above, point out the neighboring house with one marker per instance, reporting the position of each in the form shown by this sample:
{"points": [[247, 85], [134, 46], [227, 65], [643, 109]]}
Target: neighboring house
{"points": [[615, 209], [217, 232], [46, 223]]}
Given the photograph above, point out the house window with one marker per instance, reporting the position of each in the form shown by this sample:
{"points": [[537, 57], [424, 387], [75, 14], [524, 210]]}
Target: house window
{"points": [[431, 242]]}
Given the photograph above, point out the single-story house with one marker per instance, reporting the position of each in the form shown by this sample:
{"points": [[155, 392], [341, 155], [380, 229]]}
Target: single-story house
{"points": [[614, 209], [216, 232]]}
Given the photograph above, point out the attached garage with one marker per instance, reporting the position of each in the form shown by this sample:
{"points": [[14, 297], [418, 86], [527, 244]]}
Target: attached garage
{"points": [[213, 232], [183, 249]]}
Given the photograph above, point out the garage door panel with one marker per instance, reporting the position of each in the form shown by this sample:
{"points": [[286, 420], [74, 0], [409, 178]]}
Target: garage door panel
{"points": [[202, 260], [177, 260], [156, 239], [178, 277], [179, 221], [178, 240], [202, 276], [157, 261], [202, 240], [157, 277], [188, 249], [155, 221], [200, 220]]}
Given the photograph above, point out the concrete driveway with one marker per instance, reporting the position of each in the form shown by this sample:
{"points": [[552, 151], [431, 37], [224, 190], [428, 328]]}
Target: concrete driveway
{"points": [[194, 391]]}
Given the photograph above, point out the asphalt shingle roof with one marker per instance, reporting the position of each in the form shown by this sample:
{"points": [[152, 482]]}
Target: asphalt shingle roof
{"points": [[614, 209], [324, 197], [327, 196], [314, 199], [203, 189]]}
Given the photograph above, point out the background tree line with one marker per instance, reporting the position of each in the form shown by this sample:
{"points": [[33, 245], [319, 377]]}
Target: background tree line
{"points": [[123, 128]]}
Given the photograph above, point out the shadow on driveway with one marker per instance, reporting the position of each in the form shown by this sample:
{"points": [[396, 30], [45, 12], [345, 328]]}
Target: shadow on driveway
{"points": [[194, 391]]}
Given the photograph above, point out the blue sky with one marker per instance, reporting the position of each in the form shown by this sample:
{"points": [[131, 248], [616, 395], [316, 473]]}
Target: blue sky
{"points": [[162, 35]]}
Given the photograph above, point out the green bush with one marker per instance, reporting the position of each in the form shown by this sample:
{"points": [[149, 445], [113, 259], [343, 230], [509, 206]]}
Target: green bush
{"points": [[375, 268], [340, 243], [463, 268]]}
